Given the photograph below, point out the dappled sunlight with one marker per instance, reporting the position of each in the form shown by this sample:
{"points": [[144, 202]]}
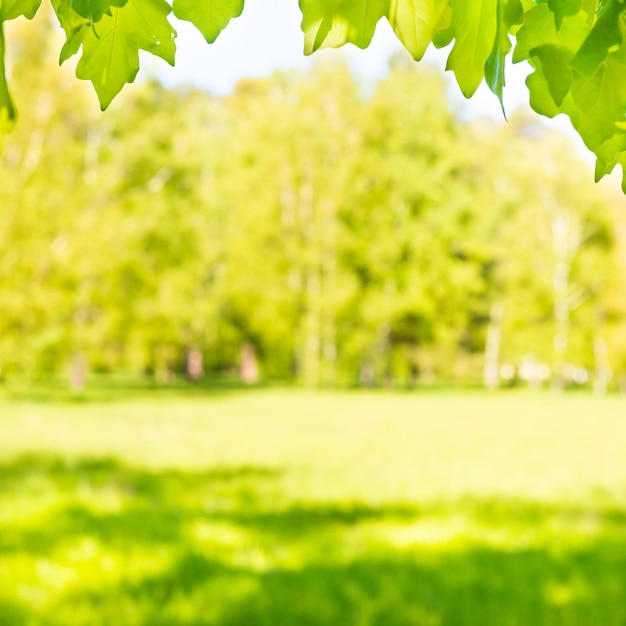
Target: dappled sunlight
{"points": [[113, 542]]}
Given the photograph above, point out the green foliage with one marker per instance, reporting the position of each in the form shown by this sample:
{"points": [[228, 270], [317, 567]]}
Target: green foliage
{"points": [[416, 22], [576, 47], [344, 239], [209, 17], [332, 23], [509, 15], [12, 9], [475, 28], [110, 48], [7, 110], [9, 10]]}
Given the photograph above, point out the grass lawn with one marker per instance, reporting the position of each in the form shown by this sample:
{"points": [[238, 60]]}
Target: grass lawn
{"points": [[271, 508]]}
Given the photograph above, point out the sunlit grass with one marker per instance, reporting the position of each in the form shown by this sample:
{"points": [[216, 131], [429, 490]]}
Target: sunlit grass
{"points": [[295, 508]]}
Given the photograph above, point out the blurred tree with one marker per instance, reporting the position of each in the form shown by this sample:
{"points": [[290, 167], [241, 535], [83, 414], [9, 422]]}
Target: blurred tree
{"points": [[301, 228], [295, 138], [406, 218], [552, 244], [41, 267]]}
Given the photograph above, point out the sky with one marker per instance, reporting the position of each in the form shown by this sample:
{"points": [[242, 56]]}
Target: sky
{"points": [[267, 37]]}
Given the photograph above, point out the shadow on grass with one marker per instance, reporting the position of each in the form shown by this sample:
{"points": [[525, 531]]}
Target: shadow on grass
{"points": [[119, 389], [97, 542]]}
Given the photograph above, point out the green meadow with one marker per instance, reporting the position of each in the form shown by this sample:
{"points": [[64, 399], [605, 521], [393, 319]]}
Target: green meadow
{"points": [[281, 508]]}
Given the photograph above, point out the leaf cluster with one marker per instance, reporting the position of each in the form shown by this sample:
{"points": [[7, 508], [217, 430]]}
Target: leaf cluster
{"points": [[575, 47]]}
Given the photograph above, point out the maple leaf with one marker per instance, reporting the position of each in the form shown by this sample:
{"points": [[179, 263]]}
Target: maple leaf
{"points": [[110, 50]]}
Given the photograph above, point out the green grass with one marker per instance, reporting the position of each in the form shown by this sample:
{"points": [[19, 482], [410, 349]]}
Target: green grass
{"points": [[288, 508]]}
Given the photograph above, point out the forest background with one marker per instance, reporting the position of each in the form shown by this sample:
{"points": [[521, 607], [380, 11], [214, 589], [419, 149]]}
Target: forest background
{"points": [[304, 228]]}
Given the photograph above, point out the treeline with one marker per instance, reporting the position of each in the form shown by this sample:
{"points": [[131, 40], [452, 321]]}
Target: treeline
{"points": [[306, 227]]}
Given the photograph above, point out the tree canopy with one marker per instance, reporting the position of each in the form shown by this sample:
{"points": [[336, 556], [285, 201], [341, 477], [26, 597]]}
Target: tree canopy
{"points": [[301, 226], [575, 47]]}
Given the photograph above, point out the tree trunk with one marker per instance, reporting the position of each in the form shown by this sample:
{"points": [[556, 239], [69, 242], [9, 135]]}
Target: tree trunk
{"points": [[566, 237], [491, 377], [327, 295], [162, 365], [603, 372], [77, 372], [194, 364], [248, 368]]}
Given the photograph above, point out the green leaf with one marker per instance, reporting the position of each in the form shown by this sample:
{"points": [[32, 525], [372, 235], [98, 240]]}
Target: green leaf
{"points": [[474, 24], [110, 54], [550, 51], [210, 17], [333, 23], [562, 8], [70, 48], [609, 155], [11, 9], [72, 23], [612, 153], [538, 29], [513, 13], [600, 171], [509, 13], [93, 10], [7, 110], [605, 35], [415, 23], [555, 63], [541, 99], [444, 33], [595, 105], [600, 102]]}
